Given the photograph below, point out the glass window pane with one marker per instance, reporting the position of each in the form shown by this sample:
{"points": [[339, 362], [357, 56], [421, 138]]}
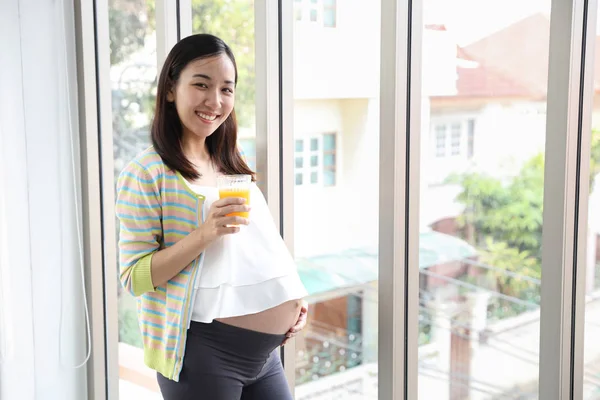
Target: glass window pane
{"points": [[471, 138], [329, 13], [328, 177], [314, 161], [233, 21], [329, 18], [313, 15], [336, 354], [314, 144], [329, 160], [455, 139], [298, 179], [329, 142], [299, 145], [133, 84], [133, 78], [299, 162], [440, 140], [481, 208], [591, 354]]}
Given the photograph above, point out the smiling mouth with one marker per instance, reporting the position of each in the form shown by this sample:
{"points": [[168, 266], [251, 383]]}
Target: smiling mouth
{"points": [[207, 117]]}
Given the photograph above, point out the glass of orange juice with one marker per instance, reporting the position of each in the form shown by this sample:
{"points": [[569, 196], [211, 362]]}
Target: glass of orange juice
{"points": [[235, 186]]}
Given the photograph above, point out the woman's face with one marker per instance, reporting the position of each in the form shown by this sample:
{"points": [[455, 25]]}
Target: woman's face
{"points": [[204, 95]]}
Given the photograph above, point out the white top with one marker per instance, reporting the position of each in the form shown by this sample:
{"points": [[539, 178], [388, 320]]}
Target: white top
{"points": [[246, 272]]}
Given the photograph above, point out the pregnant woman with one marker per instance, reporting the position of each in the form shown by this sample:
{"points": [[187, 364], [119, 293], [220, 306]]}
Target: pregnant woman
{"points": [[217, 292]]}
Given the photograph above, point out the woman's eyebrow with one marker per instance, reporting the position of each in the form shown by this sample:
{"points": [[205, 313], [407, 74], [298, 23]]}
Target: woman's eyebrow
{"points": [[202, 76], [209, 78]]}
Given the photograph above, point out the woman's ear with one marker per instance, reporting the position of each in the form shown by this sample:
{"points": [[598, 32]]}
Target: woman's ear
{"points": [[170, 96]]}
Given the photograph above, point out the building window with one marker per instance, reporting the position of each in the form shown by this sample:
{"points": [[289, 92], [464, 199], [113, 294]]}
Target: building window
{"points": [[471, 138], [440, 140], [454, 139], [329, 13], [315, 160], [316, 11], [329, 159]]}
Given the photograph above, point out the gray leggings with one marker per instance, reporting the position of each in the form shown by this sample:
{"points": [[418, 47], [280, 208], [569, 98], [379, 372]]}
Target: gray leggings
{"points": [[224, 362]]}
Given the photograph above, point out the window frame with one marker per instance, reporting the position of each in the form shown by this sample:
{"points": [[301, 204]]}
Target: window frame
{"points": [[307, 155], [569, 111], [443, 128]]}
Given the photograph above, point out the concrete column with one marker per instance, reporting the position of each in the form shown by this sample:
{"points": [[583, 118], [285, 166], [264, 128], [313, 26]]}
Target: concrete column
{"points": [[476, 309], [441, 332]]}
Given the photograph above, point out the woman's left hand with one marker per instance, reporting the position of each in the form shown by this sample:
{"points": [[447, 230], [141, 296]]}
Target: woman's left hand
{"points": [[300, 324]]}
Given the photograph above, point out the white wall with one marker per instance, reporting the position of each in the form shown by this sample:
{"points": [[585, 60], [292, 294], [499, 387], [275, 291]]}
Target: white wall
{"points": [[341, 62], [506, 135], [40, 270], [350, 208]]}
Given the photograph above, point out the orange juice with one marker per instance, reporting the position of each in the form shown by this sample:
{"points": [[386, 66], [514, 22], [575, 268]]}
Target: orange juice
{"points": [[243, 193]]}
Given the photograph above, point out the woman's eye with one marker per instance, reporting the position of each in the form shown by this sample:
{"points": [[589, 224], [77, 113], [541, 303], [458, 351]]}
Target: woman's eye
{"points": [[201, 85], [228, 90]]}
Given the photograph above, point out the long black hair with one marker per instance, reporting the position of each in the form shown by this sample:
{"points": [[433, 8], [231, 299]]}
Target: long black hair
{"points": [[167, 129]]}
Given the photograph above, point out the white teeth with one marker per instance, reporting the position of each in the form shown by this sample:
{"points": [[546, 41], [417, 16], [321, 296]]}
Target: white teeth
{"points": [[206, 116]]}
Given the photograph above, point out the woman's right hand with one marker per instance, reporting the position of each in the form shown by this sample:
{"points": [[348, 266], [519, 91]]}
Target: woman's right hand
{"points": [[217, 223]]}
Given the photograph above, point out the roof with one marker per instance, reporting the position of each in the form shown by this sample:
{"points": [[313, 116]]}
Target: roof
{"points": [[359, 266], [512, 62], [482, 81]]}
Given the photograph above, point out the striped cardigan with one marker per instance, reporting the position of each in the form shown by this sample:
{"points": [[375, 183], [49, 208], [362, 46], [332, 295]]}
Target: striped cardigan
{"points": [[156, 209]]}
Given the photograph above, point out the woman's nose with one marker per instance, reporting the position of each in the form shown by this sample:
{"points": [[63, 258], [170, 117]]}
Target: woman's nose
{"points": [[213, 99]]}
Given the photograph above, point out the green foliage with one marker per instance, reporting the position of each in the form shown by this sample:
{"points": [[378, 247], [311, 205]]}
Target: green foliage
{"points": [[504, 220], [131, 21], [511, 212], [128, 27], [507, 212], [232, 21], [510, 259]]}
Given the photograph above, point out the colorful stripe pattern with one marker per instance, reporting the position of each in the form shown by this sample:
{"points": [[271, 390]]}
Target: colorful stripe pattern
{"points": [[156, 209]]}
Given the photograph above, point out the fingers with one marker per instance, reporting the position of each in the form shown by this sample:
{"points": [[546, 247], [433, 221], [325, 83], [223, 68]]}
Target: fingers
{"points": [[304, 308], [233, 220], [227, 230], [225, 210], [230, 225]]}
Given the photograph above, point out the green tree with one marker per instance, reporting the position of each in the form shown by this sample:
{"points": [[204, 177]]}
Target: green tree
{"points": [[509, 212], [510, 259], [504, 220], [127, 27], [232, 21]]}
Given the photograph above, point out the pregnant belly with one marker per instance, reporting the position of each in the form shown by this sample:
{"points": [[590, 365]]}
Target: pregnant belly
{"points": [[276, 320]]}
